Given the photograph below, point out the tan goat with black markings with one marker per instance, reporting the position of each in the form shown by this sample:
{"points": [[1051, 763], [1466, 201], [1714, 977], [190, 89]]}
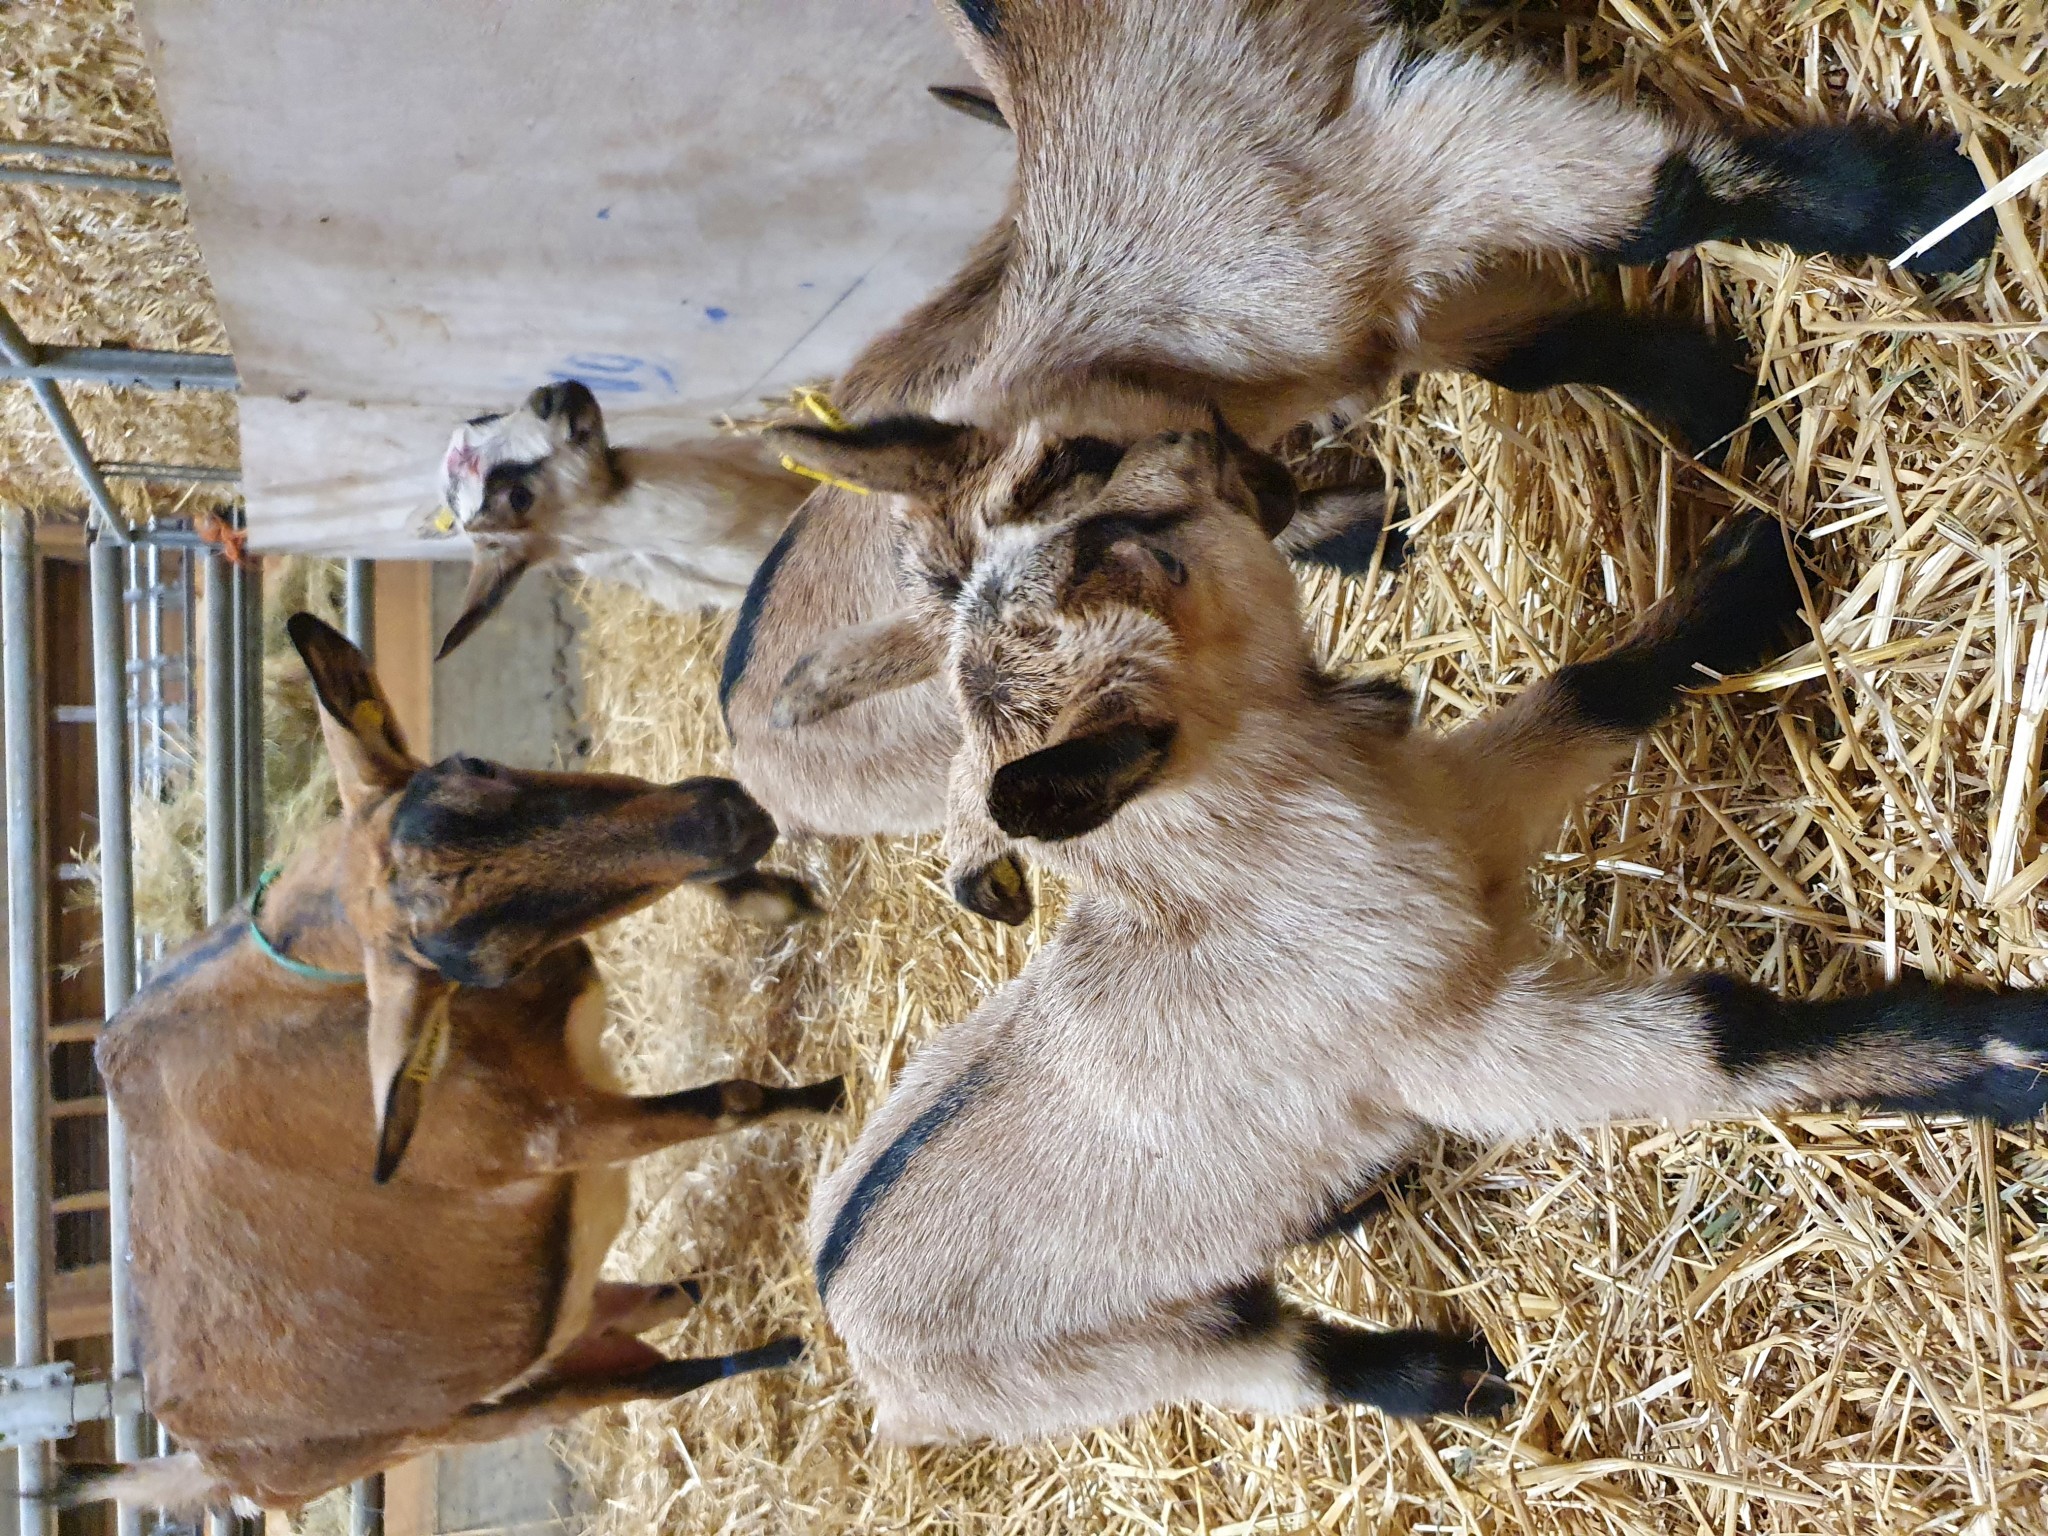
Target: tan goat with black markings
{"points": [[313, 1309], [1297, 944], [1278, 207]]}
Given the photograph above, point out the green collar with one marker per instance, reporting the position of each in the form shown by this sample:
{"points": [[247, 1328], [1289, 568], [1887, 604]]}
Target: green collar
{"points": [[297, 967]]}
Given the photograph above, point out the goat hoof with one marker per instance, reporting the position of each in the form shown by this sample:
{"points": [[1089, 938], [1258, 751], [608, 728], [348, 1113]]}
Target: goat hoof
{"points": [[771, 899]]}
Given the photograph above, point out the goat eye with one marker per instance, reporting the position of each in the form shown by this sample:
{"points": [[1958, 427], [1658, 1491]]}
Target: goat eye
{"points": [[519, 499], [1175, 571]]}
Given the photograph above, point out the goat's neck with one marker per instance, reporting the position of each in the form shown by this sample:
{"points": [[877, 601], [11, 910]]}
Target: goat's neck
{"points": [[304, 913], [685, 495]]}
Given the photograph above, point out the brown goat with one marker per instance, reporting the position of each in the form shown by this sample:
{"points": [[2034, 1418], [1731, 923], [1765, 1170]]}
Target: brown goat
{"points": [[1298, 943], [312, 1310]]}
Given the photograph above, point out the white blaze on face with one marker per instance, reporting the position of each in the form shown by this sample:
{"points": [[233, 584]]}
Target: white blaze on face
{"points": [[519, 437]]}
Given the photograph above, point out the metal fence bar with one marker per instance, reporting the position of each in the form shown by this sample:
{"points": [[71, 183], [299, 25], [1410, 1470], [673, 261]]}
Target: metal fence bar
{"points": [[19, 353], [28, 976], [117, 956], [218, 723], [90, 154], [95, 181], [249, 586], [359, 606], [131, 366], [170, 474]]}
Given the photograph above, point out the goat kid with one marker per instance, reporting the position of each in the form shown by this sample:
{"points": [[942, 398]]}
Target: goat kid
{"points": [[311, 1309], [1297, 944], [686, 524], [1280, 205]]}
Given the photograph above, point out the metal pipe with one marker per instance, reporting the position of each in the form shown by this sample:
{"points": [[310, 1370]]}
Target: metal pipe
{"points": [[91, 154], [170, 474], [366, 1506], [117, 962], [249, 583], [148, 186], [20, 353], [218, 718], [359, 606], [125, 366], [28, 978]]}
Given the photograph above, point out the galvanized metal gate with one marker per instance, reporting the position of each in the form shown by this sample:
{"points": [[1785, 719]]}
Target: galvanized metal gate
{"points": [[149, 586]]}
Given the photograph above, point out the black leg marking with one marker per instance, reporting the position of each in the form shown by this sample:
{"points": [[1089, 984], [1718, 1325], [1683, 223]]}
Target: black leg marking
{"points": [[1407, 1372], [1339, 526], [997, 891], [768, 897], [1670, 370], [739, 650], [1986, 1052], [885, 1170], [1249, 1309], [1862, 188], [1732, 612]]}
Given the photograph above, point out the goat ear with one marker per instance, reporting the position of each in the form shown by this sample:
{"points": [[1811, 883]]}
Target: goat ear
{"points": [[494, 570], [857, 663], [972, 100], [1268, 482], [409, 1032], [575, 405], [364, 743], [1075, 787], [906, 455]]}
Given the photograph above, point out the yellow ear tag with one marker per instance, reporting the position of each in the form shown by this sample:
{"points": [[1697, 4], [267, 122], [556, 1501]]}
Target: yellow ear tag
{"points": [[367, 717], [814, 401], [818, 474], [431, 1054], [444, 520]]}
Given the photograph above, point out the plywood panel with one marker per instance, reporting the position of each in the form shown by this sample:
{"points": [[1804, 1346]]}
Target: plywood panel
{"points": [[415, 212]]}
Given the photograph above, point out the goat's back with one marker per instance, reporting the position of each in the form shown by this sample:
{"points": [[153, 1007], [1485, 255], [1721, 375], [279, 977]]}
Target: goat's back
{"points": [[282, 1293]]}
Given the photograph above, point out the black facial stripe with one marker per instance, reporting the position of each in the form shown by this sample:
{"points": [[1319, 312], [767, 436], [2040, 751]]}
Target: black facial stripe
{"points": [[1060, 467], [885, 1170], [486, 419], [527, 914], [424, 820], [1094, 538], [502, 477], [740, 648]]}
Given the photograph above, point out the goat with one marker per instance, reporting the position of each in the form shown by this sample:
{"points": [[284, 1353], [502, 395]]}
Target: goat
{"points": [[1279, 205], [1297, 943], [686, 524], [311, 1309], [859, 755], [540, 485]]}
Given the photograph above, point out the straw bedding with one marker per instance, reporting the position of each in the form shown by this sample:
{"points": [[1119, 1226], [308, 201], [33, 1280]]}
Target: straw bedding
{"points": [[1813, 1325], [1820, 1324]]}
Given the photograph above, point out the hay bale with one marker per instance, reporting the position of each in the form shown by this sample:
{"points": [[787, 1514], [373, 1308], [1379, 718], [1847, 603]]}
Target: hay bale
{"points": [[1813, 1325]]}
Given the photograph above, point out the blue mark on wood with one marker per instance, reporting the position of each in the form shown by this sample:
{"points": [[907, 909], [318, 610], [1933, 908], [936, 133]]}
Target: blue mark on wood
{"points": [[616, 373], [713, 313]]}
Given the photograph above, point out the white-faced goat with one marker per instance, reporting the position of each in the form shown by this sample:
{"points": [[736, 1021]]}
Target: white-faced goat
{"points": [[686, 523], [313, 1309], [1275, 206], [1297, 943]]}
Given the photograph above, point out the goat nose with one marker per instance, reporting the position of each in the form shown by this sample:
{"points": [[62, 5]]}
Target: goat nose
{"points": [[723, 822]]}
